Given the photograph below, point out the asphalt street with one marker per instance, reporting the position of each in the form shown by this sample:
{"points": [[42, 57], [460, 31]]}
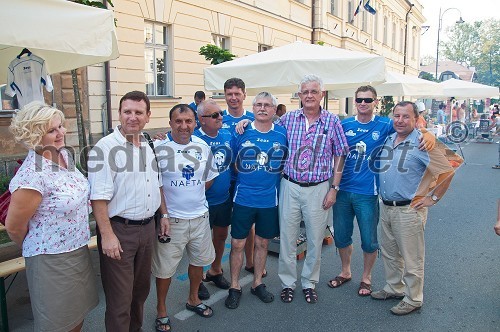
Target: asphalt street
{"points": [[462, 277]]}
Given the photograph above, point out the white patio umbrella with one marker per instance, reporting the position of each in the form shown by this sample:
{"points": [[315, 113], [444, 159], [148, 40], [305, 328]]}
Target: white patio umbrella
{"points": [[65, 34], [398, 84], [280, 69], [464, 89]]}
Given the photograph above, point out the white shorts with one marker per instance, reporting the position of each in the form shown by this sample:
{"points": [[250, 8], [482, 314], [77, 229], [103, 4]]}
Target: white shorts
{"points": [[194, 235]]}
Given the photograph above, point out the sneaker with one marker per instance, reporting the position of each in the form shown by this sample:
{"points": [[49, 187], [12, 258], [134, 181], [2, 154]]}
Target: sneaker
{"points": [[203, 293], [403, 308], [383, 295]]}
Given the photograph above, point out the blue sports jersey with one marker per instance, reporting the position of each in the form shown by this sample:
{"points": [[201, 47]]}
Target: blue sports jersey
{"points": [[218, 193], [363, 140], [229, 123], [260, 158]]}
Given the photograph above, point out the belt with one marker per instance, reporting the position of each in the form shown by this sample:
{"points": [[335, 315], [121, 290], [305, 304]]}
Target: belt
{"points": [[132, 222], [396, 203], [302, 184]]}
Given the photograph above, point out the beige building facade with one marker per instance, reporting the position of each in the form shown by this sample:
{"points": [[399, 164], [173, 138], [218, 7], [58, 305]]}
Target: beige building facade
{"points": [[159, 41]]}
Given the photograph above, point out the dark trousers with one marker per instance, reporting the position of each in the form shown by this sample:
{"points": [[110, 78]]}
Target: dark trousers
{"points": [[126, 282]]}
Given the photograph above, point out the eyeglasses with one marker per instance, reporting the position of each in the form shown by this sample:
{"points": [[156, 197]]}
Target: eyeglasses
{"points": [[366, 100], [213, 115], [306, 92], [260, 105]]}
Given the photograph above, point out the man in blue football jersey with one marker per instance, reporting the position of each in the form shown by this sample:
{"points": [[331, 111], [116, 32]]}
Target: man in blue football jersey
{"points": [[260, 154], [234, 92], [219, 202], [358, 194]]}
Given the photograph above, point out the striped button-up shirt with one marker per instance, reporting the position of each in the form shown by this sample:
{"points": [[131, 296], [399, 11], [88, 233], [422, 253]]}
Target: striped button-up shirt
{"points": [[311, 150]]}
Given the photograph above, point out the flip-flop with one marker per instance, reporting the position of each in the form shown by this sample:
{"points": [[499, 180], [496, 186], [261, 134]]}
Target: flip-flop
{"points": [[339, 280], [364, 285], [200, 310], [162, 321]]}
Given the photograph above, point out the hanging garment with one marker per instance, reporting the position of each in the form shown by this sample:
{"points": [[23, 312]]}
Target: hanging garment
{"points": [[26, 77]]}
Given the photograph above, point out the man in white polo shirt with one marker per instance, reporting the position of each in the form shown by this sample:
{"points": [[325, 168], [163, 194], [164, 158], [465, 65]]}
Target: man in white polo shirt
{"points": [[187, 169]]}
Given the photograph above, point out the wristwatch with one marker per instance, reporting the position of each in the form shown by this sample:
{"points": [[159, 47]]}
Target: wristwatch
{"points": [[435, 198], [337, 188], [165, 215]]}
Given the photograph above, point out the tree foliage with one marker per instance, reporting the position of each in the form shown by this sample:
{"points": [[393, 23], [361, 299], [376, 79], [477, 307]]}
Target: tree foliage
{"points": [[215, 54], [476, 45], [427, 76], [91, 3]]}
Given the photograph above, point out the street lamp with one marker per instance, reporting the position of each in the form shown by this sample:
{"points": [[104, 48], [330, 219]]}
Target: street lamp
{"points": [[439, 30]]}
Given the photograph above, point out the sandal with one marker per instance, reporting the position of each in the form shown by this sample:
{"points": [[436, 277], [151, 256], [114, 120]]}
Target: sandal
{"points": [[287, 295], [233, 299], [162, 322], [310, 295], [339, 280], [200, 309], [203, 293], [261, 292], [218, 280], [364, 285], [252, 270]]}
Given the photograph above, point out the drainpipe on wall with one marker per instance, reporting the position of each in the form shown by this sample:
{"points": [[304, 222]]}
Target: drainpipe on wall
{"points": [[406, 35], [313, 25], [107, 80]]}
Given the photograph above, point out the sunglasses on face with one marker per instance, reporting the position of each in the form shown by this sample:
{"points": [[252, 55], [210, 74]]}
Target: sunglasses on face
{"points": [[366, 100], [213, 115]]}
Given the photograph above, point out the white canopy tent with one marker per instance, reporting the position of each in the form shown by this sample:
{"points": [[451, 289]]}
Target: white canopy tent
{"points": [[398, 84], [65, 34], [463, 89], [280, 69]]}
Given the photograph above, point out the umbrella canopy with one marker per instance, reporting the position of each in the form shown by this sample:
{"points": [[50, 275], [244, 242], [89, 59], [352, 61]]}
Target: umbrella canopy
{"points": [[280, 69], [397, 84], [65, 34], [464, 89]]}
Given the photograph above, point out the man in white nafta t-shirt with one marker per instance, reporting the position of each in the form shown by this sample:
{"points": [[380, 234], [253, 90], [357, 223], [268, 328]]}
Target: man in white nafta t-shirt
{"points": [[187, 169]]}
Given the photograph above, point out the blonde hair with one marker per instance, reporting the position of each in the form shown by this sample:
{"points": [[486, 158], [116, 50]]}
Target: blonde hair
{"points": [[32, 122]]}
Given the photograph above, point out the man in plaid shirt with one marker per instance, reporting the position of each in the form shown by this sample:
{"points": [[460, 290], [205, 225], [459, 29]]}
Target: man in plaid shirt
{"points": [[315, 138]]}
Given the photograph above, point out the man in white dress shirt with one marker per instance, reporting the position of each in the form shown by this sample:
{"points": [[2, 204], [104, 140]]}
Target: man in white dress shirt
{"points": [[125, 193]]}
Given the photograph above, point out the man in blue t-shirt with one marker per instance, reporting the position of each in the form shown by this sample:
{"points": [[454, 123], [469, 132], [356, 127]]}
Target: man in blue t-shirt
{"points": [[234, 92], [219, 203], [260, 155], [357, 197]]}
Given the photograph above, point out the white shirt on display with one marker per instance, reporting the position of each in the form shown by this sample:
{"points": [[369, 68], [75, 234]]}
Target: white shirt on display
{"points": [[26, 76]]}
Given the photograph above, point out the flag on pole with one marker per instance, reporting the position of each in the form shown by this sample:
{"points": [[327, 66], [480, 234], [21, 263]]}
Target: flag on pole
{"points": [[369, 8], [357, 11]]}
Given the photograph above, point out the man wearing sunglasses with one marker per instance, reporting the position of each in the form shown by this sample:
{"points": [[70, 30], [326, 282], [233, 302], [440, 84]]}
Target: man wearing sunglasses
{"points": [[219, 202], [358, 194]]}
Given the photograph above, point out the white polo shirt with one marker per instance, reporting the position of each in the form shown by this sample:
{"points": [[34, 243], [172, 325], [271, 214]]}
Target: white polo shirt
{"points": [[185, 169], [124, 175]]}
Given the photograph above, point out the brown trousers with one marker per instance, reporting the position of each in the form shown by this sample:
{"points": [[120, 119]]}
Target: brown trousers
{"points": [[126, 282]]}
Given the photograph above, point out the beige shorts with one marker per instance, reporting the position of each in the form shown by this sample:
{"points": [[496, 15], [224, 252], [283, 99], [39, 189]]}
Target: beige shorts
{"points": [[194, 235]]}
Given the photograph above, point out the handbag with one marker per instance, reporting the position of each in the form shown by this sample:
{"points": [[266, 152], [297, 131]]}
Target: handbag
{"points": [[5, 200]]}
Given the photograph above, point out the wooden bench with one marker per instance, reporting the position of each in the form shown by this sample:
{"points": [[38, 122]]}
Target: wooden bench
{"points": [[14, 266]]}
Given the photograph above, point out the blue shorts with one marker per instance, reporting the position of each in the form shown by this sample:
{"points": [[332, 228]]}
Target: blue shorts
{"points": [[366, 210], [220, 214], [265, 219]]}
